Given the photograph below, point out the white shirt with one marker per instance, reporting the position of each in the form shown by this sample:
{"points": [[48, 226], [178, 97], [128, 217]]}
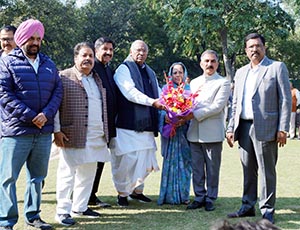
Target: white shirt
{"points": [[249, 87], [127, 87], [96, 147], [4, 54]]}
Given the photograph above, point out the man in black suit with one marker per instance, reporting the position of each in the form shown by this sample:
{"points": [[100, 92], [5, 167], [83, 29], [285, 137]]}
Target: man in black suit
{"points": [[104, 49]]}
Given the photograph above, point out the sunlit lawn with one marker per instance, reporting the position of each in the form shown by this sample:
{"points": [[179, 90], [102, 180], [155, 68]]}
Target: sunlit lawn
{"points": [[152, 216]]}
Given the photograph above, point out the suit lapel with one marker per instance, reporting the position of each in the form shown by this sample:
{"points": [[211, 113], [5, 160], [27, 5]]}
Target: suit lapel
{"points": [[262, 73], [260, 77]]}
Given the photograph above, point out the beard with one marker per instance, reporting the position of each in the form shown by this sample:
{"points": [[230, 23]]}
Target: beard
{"points": [[32, 50]]}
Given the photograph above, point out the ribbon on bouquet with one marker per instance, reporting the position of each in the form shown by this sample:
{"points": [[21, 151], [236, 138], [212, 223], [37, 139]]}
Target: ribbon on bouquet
{"points": [[169, 129]]}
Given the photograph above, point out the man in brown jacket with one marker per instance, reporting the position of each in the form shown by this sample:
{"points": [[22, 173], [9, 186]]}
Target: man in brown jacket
{"points": [[81, 130]]}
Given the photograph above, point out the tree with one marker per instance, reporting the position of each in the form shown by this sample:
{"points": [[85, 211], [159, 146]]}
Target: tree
{"points": [[221, 25], [124, 22], [60, 22], [288, 50], [175, 30], [111, 19]]}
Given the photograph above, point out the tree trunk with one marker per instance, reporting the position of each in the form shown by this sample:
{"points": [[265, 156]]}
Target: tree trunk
{"points": [[226, 58]]}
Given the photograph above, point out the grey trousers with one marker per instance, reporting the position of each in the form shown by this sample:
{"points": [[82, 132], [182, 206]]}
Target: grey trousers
{"points": [[206, 161], [257, 156]]}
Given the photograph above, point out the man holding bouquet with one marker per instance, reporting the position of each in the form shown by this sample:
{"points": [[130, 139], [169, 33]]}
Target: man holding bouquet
{"points": [[207, 130], [133, 149]]}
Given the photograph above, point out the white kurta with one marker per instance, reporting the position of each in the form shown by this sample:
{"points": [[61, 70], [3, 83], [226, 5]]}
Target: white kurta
{"points": [[77, 166], [133, 153], [96, 147]]}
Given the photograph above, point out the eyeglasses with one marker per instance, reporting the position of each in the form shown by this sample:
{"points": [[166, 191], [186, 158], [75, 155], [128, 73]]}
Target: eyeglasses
{"points": [[177, 72], [6, 39]]}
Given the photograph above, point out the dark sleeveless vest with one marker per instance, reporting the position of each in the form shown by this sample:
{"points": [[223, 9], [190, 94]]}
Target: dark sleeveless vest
{"points": [[134, 116]]}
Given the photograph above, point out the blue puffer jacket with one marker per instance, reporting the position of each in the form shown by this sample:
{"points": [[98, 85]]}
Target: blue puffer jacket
{"points": [[25, 93]]}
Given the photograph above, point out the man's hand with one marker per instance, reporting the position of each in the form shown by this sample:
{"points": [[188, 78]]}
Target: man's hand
{"points": [[281, 138], [183, 119], [59, 139], [230, 139], [188, 117], [156, 104], [40, 120]]}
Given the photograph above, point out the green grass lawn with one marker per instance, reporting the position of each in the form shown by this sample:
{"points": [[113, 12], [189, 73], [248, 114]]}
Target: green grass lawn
{"points": [[151, 216]]}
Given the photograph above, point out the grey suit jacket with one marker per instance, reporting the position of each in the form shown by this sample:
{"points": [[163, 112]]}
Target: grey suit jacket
{"points": [[271, 101], [208, 124]]}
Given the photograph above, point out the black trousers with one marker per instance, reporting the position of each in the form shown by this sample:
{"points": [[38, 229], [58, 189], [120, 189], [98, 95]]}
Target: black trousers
{"points": [[100, 166]]}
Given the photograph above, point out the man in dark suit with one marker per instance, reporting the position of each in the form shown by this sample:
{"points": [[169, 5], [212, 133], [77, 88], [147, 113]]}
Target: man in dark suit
{"points": [[260, 118], [104, 49]]}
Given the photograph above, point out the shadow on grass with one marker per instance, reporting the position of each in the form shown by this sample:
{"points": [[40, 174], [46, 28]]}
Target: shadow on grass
{"points": [[49, 193], [152, 216]]}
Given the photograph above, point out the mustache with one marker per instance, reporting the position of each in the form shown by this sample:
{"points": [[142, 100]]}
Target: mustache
{"points": [[32, 46], [210, 67], [107, 55], [87, 62]]}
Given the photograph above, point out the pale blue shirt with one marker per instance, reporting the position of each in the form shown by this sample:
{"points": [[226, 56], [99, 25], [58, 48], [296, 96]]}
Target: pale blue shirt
{"points": [[35, 63]]}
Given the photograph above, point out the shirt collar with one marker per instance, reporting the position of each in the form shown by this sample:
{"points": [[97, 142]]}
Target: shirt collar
{"points": [[210, 77], [259, 64], [36, 60], [81, 75]]}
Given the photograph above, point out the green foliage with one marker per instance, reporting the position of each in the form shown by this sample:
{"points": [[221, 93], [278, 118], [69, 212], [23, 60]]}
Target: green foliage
{"points": [[222, 25], [286, 51], [111, 19], [175, 30], [61, 24]]}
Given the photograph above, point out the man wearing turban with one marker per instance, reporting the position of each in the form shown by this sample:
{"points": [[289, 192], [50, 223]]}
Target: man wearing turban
{"points": [[30, 95]]}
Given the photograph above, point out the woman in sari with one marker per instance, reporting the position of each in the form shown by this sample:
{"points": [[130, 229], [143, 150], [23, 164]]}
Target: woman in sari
{"points": [[176, 169]]}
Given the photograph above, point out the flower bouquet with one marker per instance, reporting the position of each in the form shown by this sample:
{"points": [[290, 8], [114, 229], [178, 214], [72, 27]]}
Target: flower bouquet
{"points": [[179, 102]]}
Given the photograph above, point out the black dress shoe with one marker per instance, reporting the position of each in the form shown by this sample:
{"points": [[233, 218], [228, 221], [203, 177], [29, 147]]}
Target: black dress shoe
{"points": [[122, 201], [269, 216], [195, 204], [242, 213], [209, 206], [99, 203], [140, 197]]}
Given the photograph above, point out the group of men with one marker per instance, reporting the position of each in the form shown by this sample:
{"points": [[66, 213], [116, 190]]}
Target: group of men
{"points": [[259, 121], [89, 108], [79, 105]]}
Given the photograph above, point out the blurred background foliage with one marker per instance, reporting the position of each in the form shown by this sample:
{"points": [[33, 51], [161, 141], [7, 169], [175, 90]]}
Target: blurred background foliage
{"points": [[175, 30]]}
